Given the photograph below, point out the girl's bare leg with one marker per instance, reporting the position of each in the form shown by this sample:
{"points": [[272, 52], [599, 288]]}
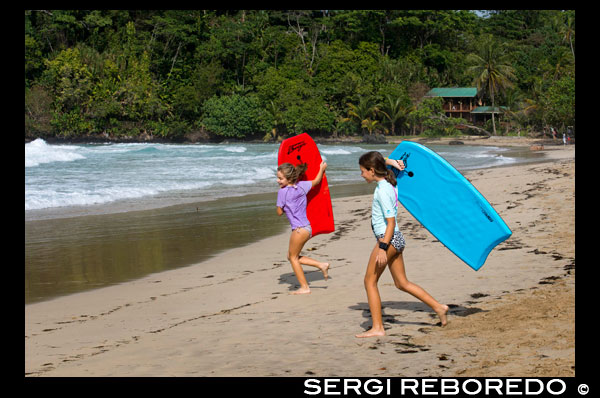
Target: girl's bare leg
{"points": [[371, 278], [324, 267], [399, 275], [297, 240]]}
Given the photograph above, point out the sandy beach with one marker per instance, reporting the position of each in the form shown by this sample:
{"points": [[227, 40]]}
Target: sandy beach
{"points": [[233, 315]]}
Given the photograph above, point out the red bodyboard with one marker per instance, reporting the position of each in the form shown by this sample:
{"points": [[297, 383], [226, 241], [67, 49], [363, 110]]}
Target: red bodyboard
{"points": [[302, 149]]}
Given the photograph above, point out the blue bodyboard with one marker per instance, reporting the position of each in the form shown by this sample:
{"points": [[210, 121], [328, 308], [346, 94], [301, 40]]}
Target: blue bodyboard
{"points": [[447, 204]]}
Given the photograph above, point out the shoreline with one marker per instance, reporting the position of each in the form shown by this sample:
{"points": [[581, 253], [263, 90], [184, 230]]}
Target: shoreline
{"points": [[143, 241], [163, 200], [232, 315], [499, 140], [139, 240], [502, 141]]}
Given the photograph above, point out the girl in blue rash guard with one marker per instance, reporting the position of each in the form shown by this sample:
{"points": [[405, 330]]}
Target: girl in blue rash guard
{"points": [[390, 241]]}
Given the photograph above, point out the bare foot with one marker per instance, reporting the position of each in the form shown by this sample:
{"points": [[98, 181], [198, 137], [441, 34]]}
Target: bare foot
{"points": [[302, 290], [324, 268], [371, 333], [442, 311]]}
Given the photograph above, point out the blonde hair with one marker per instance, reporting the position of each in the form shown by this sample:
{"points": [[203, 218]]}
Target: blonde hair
{"points": [[292, 173], [376, 161]]}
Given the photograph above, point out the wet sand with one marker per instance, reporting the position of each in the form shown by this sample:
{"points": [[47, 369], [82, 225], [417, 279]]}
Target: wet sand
{"points": [[232, 315]]}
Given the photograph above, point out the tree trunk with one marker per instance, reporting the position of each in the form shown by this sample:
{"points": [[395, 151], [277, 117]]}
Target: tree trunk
{"points": [[493, 119]]}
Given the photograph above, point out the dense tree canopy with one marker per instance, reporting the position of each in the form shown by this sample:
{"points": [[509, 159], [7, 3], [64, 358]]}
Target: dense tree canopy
{"points": [[268, 73]]}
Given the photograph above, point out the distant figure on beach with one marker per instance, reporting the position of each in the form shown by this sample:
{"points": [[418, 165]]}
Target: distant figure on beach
{"points": [[564, 139], [291, 200], [390, 241]]}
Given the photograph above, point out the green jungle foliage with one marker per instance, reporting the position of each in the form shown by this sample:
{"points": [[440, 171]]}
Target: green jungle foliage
{"points": [[268, 73]]}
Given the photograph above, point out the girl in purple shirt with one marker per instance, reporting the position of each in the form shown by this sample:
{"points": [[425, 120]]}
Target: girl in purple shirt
{"points": [[291, 200]]}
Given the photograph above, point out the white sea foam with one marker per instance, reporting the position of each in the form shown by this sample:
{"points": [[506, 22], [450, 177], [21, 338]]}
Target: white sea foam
{"points": [[236, 149], [41, 199], [337, 151], [85, 175], [343, 150], [38, 152]]}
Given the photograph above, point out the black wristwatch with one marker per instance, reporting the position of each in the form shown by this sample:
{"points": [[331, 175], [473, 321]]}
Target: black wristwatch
{"points": [[384, 246]]}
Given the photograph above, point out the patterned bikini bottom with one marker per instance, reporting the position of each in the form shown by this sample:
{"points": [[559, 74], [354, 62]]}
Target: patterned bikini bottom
{"points": [[397, 240]]}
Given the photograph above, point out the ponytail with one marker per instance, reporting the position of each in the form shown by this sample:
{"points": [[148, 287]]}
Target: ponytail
{"points": [[391, 177], [374, 160], [291, 173]]}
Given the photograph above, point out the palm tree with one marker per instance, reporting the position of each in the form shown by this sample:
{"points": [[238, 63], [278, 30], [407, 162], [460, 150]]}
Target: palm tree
{"points": [[371, 125], [277, 121], [568, 31], [564, 62], [364, 110], [516, 111], [394, 111], [492, 70]]}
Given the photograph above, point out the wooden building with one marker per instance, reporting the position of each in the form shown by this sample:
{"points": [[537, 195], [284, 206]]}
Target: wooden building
{"points": [[463, 102]]}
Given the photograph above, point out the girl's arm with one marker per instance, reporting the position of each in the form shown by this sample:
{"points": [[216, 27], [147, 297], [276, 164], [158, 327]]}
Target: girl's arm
{"points": [[389, 233], [279, 211], [399, 164], [319, 176]]}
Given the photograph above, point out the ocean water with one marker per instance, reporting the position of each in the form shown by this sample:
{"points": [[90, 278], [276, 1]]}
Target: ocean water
{"points": [[103, 214], [148, 175]]}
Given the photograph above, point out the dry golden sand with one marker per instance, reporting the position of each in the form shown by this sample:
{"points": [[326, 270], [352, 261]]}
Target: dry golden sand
{"points": [[233, 316], [528, 333]]}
